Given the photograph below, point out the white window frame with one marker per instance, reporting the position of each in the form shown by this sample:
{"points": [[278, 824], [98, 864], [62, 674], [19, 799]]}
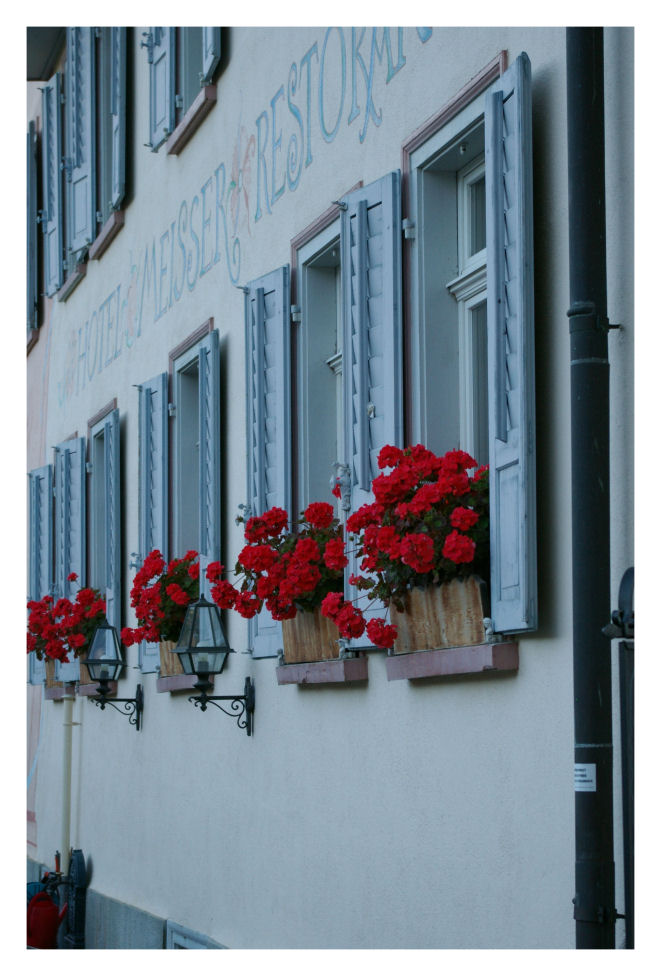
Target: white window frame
{"points": [[184, 471], [328, 369]]}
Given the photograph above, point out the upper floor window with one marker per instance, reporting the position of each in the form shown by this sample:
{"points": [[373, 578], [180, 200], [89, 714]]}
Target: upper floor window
{"points": [[182, 62]]}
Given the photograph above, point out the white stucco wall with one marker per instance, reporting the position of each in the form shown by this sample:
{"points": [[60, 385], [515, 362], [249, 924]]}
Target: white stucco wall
{"points": [[391, 815]]}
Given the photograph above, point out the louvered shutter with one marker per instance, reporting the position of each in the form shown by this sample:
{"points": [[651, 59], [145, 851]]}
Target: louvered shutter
{"points": [[370, 247], [161, 84], [210, 53], [268, 420], [80, 162], [69, 530], [152, 483], [508, 141], [118, 114], [112, 541], [209, 472], [40, 577], [51, 156], [31, 236]]}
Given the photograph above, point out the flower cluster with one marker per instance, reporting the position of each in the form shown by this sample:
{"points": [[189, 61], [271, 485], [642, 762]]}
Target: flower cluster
{"points": [[283, 570], [160, 594], [57, 628], [428, 524]]}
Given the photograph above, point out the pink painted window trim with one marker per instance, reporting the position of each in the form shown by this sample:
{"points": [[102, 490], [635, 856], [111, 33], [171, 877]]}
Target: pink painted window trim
{"points": [[191, 121]]}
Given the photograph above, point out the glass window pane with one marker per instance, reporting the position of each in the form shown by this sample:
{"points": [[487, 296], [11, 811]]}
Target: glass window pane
{"points": [[478, 218]]}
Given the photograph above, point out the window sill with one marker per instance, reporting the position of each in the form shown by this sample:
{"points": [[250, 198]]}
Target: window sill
{"points": [[108, 232], [453, 661], [191, 121], [72, 281], [341, 671], [88, 690], [33, 338], [177, 682]]}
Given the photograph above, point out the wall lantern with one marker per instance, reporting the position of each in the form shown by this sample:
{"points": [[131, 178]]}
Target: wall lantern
{"points": [[203, 650], [104, 663]]}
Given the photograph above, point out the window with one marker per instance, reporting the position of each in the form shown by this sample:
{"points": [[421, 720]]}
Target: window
{"points": [[83, 153], [104, 554], [195, 450], [182, 62], [319, 434], [471, 314]]}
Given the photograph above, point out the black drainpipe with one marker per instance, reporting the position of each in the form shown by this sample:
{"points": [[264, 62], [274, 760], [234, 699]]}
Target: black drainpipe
{"points": [[594, 903]]}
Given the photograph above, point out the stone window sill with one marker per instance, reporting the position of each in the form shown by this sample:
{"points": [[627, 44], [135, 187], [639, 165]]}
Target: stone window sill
{"points": [[204, 102], [454, 661], [72, 282], [107, 234], [341, 671]]}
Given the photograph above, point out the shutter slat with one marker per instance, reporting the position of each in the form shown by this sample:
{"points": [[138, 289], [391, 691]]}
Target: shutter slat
{"points": [[81, 138], [118, 114], [51, 154], [70, 537], [268, 412], [152, 484], [31, 236], [210, 53], [370, 246], [209, 471], [508, 141]]}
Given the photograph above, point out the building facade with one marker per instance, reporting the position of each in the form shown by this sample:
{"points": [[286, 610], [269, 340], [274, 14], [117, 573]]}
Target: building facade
{"points": [[255, 257]]}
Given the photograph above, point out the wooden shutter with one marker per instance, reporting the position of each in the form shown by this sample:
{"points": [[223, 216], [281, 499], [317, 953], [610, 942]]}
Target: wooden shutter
{"points": [[152, 483], [113, 536], [268, 421], [118, 114], [510, 326], [210, 53], [69, 530], [209, 472], [40, 575], [32, 279], [160, 46], [80, 162], [51, 156], [370, 247]]}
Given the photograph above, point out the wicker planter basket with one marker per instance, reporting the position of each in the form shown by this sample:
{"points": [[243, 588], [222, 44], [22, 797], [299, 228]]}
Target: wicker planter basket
{"points": [[310, 637], [450, 615], [170, 663]]}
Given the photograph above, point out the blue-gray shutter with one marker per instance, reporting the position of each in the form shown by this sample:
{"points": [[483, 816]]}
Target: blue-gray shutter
{"points": [[69, 530], [40, 574], [113, 535], [32, 279], [118, 114], [51, 159], [371, 254], [152, 484], [210, 53], [209, 471], [268, 419], [508, 143], [161, 49], [80, 161]]}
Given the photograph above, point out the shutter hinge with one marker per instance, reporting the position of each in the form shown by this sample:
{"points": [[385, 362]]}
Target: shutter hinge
{"points": [[88, 467], [341, 204], [149, 44], [178, 101], [99, 217], [408, 226], [67, 166], [246, 513], [98, 32], [296, 313], [172, 409], [135, 561]]}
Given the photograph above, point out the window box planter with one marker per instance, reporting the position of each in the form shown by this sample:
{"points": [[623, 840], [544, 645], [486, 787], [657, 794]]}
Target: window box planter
{"points": [[171, 674], [450, 615], [310, 637]]}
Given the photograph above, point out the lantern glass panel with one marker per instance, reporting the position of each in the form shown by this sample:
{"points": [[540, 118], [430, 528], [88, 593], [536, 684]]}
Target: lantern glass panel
{"points": [[104, 660]]}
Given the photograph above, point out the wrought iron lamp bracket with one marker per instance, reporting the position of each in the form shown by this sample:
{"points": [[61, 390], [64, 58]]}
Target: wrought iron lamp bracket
{"points": [[241, 707], [132, 707]]}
